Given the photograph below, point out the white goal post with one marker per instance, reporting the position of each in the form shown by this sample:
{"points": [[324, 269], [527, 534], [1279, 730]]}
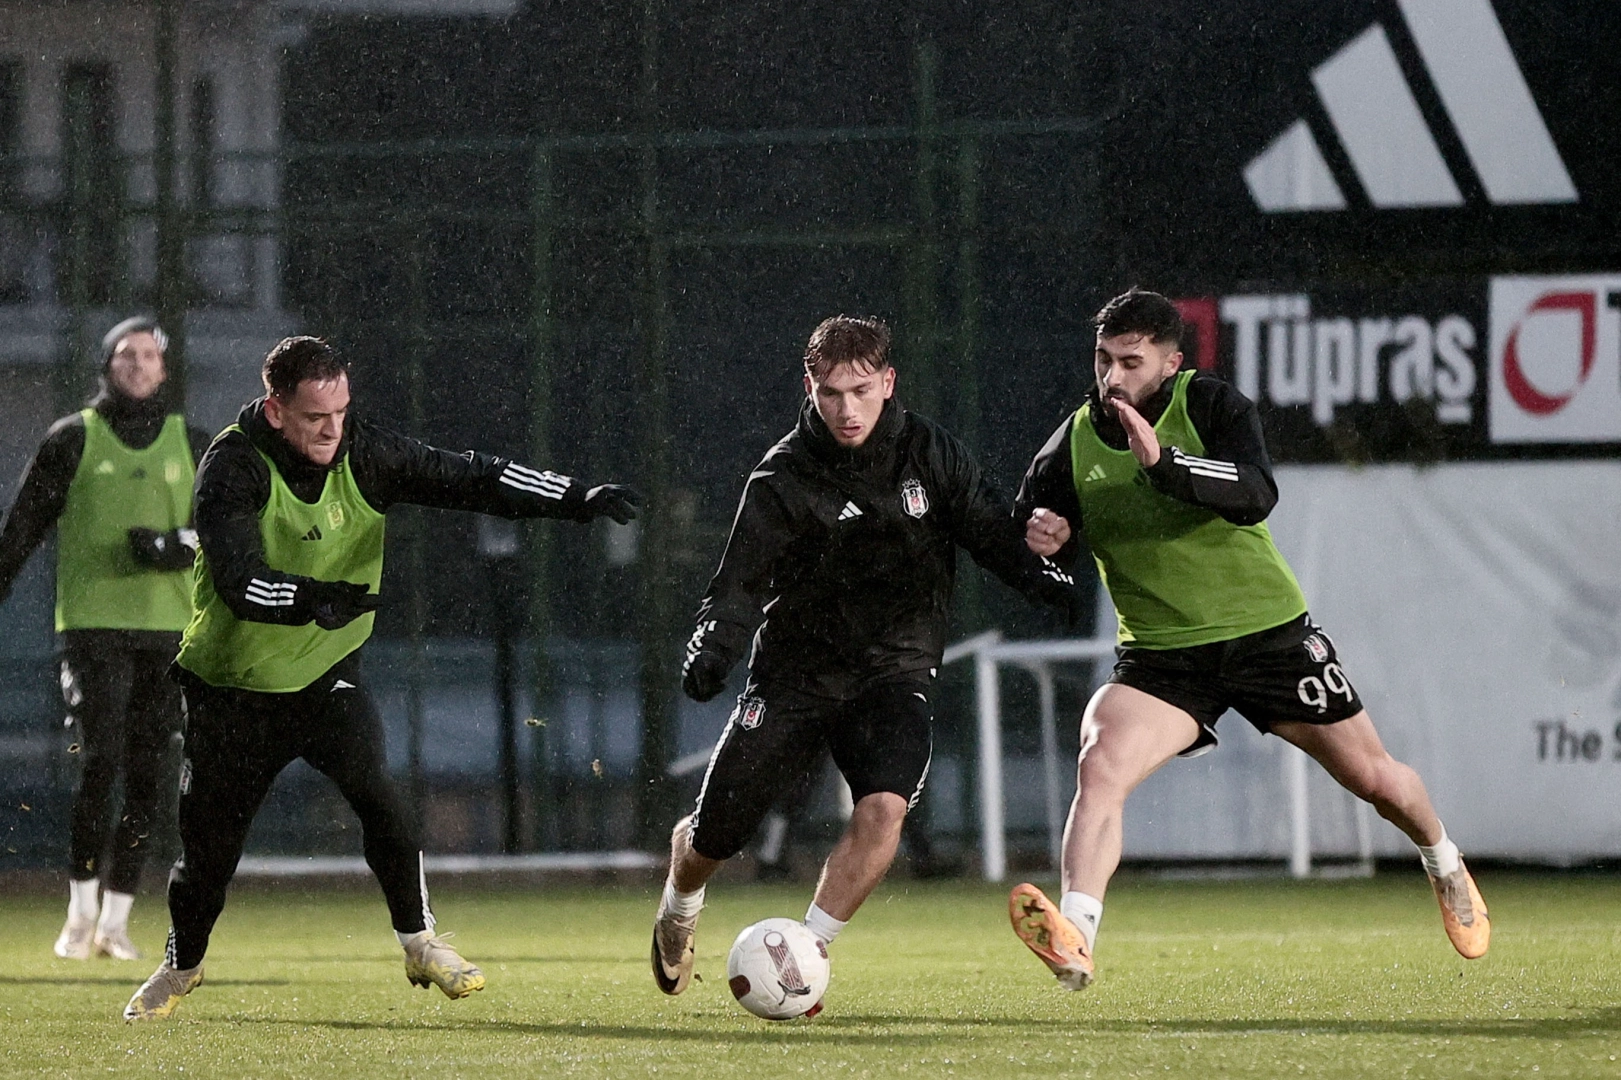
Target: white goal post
{"points": [[989, 652]]}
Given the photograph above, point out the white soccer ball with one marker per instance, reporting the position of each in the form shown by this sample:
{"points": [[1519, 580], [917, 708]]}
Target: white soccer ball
{"points": [[778, 970]]}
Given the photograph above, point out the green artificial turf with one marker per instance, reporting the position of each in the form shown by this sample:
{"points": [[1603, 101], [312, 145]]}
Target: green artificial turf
{"points": [[1265, 979]]}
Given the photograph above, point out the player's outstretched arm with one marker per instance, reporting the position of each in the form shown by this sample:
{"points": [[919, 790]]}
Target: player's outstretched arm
{"points": [[391, 468], [1233, 476]]}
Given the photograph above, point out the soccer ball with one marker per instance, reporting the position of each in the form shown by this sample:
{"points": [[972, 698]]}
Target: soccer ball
{"points": [[778, 970]]}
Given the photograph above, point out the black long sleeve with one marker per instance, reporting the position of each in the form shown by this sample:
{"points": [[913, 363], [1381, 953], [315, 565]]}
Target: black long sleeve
{"points": [[391, 468], [1233, 477], [233, 485], [41, 496], [841, 560], [1049, 484], [735, 601]]}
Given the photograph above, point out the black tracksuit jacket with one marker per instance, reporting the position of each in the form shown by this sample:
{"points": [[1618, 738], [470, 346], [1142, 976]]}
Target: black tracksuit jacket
{"points": [[233, 485], [853, 586]]}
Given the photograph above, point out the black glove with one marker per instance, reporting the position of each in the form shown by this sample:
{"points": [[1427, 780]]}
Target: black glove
{"points": [[704, 675], [611, 500], [336, 604], [172, 550]]}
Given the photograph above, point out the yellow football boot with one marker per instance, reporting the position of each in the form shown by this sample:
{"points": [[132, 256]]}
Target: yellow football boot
{"points": [[158, 996], [430, 961]]}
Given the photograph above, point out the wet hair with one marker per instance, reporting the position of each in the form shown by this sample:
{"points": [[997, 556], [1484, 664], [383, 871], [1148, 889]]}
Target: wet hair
{"points": [[861, 341], [1138, 311], [297, 359], [138, 324]]}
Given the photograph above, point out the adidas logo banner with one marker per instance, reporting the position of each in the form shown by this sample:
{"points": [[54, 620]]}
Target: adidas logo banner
{"points": [[1393, 150], [851, 510], [313, 534]]}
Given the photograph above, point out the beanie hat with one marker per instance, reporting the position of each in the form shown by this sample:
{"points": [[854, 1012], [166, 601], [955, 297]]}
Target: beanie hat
{"points": [[139, 324]]}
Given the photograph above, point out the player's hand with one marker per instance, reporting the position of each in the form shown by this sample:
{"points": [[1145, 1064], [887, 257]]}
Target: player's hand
{"points": [[617, 501], [162, 550], [704, 675], [147, 546], [336, 604], [1139, 433], [1046, 532]]}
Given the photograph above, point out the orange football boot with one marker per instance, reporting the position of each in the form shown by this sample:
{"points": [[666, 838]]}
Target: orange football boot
{"points": [[1463, 912], [1045, 931]]}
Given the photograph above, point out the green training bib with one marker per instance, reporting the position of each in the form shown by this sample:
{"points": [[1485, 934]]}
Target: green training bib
{"points": [[99, 585], [339, 537], [1179, 575]]}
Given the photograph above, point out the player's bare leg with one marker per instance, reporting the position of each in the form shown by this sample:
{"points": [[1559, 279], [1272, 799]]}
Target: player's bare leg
{"points": [[1126, 735], [688, 869], [676, 924], [861, 858], [1353, 755]]}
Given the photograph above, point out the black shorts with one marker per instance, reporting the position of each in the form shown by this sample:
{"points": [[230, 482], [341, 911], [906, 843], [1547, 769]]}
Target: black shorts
{"points": [[881, 740], [1290, 672]]}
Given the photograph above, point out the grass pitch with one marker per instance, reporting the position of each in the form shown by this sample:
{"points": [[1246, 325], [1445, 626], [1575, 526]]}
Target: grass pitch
{"points": [[1263, 979]]}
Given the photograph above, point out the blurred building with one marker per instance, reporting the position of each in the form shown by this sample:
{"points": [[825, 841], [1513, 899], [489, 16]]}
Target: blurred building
{"points": [[84, 126], [79, 129]]}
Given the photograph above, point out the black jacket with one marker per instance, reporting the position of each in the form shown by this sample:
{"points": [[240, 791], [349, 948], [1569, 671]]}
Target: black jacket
{"points": [[1233, 477], [43, 492], [233, 485], [850, 554]]}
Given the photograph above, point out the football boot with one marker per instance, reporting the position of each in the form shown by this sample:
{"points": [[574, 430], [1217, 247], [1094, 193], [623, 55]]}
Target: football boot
{"points": [[431, 961], [1463, 912], [1045, 931], [158, 996]]}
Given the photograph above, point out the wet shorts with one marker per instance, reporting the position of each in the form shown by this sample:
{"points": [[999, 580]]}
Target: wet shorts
{"points": [[880, 738], [1290, 672]]}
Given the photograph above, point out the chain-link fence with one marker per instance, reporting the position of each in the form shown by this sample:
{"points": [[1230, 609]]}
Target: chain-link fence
{"points": [[627, 307]]}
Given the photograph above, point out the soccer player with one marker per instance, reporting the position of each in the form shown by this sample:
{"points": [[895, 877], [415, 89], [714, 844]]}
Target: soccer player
{"points": [[115, 480], [845, 541], [290, 511], [1163, 475]]}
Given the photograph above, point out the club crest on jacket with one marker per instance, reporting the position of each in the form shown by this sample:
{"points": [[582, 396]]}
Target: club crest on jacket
{"points": [[914, 499], [750, 711]]}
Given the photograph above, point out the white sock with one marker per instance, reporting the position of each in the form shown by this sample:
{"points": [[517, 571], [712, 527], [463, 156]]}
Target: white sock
{"points": [[1440, 858], [683, 905], [114, 912], [82, 905], [1085, 912], [823, 925], [402, 937]]}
